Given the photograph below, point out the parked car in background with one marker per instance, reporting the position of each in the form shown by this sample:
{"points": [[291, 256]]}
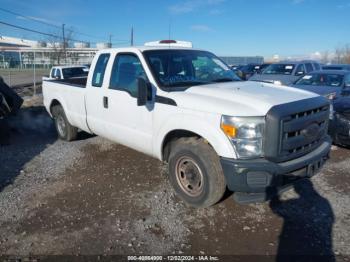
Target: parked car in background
{"points": [[336, 67], [286, 73], [262, 67], [330, 83], [86, 67], [67, 72], [236, 70], [339, 124], [335, 85], [248, 70]]}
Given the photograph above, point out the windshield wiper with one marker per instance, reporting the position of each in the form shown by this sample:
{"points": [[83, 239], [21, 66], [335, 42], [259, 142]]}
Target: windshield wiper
{"points": [[186, 83], [224, 80]]}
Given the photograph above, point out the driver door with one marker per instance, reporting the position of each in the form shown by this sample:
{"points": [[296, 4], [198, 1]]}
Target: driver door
{"points": [[128, 123]]}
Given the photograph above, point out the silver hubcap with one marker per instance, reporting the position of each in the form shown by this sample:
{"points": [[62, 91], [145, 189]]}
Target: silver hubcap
{"points": [[189, 176], [61, 125]]}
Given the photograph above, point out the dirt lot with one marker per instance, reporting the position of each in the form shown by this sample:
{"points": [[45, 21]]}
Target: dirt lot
{"points": [[93, 196]]}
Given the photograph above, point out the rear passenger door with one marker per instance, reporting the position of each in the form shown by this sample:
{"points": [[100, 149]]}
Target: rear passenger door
{"points": [[128, 123], [95, 97]]}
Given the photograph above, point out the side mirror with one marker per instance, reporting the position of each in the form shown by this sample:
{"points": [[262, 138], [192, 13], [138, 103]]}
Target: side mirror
{"points": [[300, 73], [142, 91]]}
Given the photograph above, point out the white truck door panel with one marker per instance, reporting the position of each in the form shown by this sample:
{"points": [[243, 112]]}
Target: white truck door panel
{"points": [[126, 122], [95, 93]]}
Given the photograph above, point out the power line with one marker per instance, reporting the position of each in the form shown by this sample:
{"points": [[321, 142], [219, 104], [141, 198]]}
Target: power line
{"points": [[30, 30], [29, 18], [53, 25], [52, 35]]}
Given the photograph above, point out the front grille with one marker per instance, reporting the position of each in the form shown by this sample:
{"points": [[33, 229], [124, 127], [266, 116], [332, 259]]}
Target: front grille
{"points": [[293, 140], [296, 128]]}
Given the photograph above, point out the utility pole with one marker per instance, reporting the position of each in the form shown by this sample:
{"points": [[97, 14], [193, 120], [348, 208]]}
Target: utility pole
{"points": [[110, 40], [132, 36], [34, 75], [64, 44]]}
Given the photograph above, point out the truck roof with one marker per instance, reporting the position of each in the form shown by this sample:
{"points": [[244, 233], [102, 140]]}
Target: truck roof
{"points": [[144, 48], [71, 66]]}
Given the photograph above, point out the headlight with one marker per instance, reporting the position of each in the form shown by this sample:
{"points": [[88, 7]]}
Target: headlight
{"points": [[246, 134], [331, 96]]}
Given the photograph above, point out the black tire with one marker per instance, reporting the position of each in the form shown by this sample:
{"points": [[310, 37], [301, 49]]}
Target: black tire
{"points": [[202, 161], [64, 129]]}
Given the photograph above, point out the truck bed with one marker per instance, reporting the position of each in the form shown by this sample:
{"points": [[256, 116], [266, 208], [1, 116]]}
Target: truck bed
{"points": [[76, 81], [70, 93]]}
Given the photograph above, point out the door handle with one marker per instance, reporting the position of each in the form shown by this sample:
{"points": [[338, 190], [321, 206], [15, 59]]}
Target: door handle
{"points": [[105, 102]]}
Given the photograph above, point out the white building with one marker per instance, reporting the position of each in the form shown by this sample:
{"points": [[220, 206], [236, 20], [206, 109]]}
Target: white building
{"points": [[16, 52]]}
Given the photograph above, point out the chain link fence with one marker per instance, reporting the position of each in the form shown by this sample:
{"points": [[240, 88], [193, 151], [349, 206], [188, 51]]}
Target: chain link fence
{"points": [[26, 81]]}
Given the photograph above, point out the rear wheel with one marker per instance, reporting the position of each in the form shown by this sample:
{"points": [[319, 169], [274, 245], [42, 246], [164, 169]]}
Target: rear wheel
{"points": [[195, 172], [64, 129]]}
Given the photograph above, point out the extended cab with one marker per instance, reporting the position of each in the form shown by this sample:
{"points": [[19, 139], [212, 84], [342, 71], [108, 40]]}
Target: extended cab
{"points": [[187, 108]]}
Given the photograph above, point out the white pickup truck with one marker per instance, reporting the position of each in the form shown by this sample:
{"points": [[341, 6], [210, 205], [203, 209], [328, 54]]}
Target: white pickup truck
{"points": [[187, 108], [66, 72]]}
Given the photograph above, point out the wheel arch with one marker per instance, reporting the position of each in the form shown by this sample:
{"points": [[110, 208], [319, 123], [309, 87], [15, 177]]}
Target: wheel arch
{"points": [[54, 102], [219, 145]]}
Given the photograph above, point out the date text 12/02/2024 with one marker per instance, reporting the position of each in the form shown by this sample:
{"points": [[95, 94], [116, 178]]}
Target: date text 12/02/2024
{"points": [[173, 258]]}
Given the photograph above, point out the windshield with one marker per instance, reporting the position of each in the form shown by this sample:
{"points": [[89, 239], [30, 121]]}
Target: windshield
{"points": [[321, 80], [279, 69], [183, 68], [74, 72]]}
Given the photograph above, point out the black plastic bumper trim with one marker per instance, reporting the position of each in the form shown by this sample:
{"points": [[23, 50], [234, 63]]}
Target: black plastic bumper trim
{"points": [[276, 175]]}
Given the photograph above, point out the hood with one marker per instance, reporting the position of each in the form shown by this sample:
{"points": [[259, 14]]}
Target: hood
{"points": [[284, 79], [237, 98]]}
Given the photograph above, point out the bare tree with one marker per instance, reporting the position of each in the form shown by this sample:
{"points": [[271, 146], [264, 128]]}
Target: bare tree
{"points": [[338, 54], [347, 54], [325, 57], [58, 44]]}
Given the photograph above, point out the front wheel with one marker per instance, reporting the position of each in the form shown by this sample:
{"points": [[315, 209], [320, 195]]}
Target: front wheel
{"points": [[195, 172]]}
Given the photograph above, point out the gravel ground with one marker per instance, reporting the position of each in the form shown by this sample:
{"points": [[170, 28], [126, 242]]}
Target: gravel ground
{"points": [[93, 196]]}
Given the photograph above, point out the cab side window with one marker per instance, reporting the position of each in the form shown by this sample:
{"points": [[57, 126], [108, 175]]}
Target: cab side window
{"points": [[347, 80], [100, 68], [126, 70], [58, 73], [300, 70], [309, 67], [53, 72]]}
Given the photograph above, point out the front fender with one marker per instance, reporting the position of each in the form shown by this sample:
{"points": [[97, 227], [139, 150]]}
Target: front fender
{"points": [[205, 125]]}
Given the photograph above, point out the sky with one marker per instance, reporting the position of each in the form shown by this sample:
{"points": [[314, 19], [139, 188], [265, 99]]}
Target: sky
{"points": [[225, 27]]}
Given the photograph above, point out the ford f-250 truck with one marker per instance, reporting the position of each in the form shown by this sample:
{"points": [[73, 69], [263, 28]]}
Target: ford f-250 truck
{"points": [[187, 108]]}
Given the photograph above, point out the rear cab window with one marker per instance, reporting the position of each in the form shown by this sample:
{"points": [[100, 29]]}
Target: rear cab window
{"points": [[53, 72], [99, 71], [58, 73]]}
